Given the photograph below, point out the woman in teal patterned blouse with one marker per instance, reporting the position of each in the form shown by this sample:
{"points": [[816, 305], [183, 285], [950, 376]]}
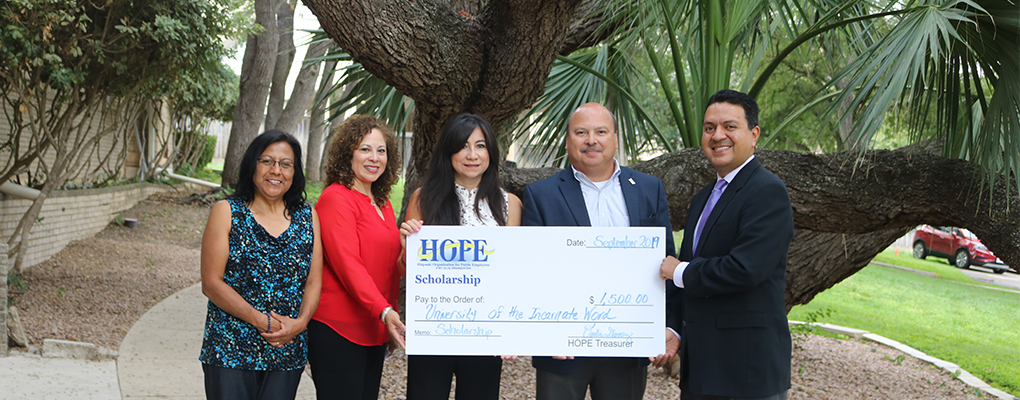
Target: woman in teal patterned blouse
{"points": [[262, 272]]}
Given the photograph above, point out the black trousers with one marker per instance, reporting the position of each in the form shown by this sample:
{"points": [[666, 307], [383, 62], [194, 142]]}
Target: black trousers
{"points": [[610, 378], [242, 384], [428, 377], [777, 396], [342, 369], [687, 395]]}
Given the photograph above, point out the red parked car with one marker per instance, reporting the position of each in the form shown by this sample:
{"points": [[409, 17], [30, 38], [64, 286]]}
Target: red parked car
{"points": [[957, 245]]}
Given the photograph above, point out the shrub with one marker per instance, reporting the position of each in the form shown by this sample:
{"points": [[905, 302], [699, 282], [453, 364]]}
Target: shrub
{"points": [[196, 150]]}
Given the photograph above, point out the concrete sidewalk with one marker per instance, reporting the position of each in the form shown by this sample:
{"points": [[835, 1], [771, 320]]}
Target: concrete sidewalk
{"points": [[159, 356], [25, 375]]}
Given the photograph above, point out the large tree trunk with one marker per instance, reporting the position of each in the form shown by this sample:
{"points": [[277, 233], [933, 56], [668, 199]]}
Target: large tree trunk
{"points": [[304, 88], [256, 69], [281, 69], [317, 124], [334, 120], [847, 209], [451, 62]]}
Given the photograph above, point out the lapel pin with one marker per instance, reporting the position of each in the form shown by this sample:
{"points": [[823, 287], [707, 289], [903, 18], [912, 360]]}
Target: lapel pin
{"points": [[631, 180]]}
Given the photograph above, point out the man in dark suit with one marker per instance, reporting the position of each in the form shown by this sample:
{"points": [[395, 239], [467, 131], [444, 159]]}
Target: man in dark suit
{"points": [[726, 299], [595, 191]]}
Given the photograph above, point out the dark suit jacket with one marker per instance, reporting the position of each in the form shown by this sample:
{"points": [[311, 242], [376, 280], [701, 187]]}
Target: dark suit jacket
{"points": [[557, 201], [731, 314]]}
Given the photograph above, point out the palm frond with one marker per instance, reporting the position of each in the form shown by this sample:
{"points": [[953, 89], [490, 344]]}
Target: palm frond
{"points": [[595, 75], [367, 94], [993, 44], [956, 61], [906, 58]]}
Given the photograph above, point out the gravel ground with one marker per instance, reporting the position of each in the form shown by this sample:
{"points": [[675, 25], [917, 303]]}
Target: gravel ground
{"points": [[96, 288]]}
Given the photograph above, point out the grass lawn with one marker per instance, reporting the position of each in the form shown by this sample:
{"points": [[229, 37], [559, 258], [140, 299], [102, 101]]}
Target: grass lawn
{"points": [[312, 192], [935, 265], [206, 174], [215, 165], [678, 237], [971, 326]]}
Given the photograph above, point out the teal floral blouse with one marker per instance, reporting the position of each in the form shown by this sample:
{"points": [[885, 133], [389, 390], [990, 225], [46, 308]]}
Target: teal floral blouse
{"points": [[269, 272]]}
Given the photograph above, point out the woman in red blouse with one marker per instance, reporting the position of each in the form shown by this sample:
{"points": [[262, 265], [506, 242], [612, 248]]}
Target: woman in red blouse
{"points": [[357, 313]]}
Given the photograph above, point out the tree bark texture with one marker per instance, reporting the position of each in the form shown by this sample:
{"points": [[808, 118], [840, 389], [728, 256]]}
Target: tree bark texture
{"points": [[494, 64], [317, 124], [256, 69], [589, 26], [304, 88], [848, 208], [285, 52]]}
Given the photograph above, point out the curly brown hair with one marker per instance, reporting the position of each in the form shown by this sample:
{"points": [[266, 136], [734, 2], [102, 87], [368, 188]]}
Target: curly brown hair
{"points": [[345, 139]]}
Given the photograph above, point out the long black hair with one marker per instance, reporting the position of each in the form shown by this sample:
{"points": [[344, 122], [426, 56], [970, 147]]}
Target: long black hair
{"points": [[245, 190], [438, 200]]}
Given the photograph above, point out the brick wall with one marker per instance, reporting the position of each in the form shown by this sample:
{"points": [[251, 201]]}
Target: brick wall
{"points": [[69, 215], [111, 144]]}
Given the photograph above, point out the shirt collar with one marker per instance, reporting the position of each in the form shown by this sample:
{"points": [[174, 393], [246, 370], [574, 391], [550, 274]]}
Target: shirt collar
{"points": [[581, 177], [733, 174]]}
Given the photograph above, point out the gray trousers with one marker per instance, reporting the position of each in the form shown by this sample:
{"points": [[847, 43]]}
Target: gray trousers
{"points": [[610, 378]]}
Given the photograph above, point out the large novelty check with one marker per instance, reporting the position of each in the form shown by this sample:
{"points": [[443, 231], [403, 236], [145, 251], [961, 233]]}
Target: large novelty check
{"points": [[546, 291]]}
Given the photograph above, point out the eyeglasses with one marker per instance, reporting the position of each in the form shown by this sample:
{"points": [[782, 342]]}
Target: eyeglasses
{"points": [[268, 162]]}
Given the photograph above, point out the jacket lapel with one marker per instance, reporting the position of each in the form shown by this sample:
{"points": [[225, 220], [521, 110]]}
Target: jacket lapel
{"points": [[571, 190], [731, 191], [631, 195]]}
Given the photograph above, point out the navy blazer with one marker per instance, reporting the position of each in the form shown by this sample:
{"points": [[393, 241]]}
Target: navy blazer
{"points": [[557, 201], [731, 314]]}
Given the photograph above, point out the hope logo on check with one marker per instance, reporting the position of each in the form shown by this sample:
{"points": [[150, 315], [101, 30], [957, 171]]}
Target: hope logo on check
{"points": [[454, 250]]}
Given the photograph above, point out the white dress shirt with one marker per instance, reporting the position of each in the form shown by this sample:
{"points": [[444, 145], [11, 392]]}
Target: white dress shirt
{"points": [[604, 200]]}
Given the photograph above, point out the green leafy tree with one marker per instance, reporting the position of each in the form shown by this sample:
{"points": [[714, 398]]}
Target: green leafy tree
{"points": [[862, 60], [73, 72], [211, 94]]}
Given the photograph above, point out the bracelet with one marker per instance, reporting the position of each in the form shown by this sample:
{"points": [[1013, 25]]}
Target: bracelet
{"points": [[269, 322], [384, 312]]}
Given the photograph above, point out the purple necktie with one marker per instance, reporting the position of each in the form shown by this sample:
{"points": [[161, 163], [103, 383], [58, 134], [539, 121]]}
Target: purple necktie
{"points": [[720, 185]]}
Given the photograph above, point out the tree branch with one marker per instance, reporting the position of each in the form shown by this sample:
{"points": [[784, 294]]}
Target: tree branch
{"points": [[881, 190], [588, 26], [846, 208]]}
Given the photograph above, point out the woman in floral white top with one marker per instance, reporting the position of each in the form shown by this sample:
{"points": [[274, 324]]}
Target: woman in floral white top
{"points": [[462, 188]]}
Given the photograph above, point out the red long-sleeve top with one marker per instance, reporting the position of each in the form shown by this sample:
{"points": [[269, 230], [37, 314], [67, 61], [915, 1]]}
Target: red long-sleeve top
{"points": [[361, 277]]}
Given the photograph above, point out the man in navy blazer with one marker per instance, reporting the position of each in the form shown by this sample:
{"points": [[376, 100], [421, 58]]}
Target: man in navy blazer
{"points": [[727, 301], [595, 191]]}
